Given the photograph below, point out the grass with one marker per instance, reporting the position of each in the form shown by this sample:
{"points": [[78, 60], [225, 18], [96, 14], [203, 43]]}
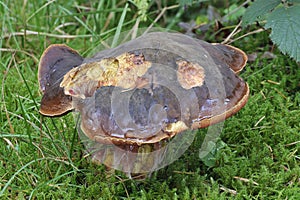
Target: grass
{"points": [[42, 158]]}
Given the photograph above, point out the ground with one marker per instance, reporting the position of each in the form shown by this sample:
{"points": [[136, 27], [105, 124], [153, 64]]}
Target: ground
{"points": [[42, 158]]}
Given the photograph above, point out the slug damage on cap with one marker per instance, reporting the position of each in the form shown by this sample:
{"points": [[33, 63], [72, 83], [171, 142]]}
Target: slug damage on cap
{"points": [[124, 71]]}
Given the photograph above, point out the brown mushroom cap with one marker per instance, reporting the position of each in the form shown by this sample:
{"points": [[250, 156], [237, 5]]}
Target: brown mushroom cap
{"points": [[55, 62], [235, 58], [160, 85], [190, 84]]}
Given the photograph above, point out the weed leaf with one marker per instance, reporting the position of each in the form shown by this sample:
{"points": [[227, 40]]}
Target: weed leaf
{"points": [[285, 26], [258, 9]]}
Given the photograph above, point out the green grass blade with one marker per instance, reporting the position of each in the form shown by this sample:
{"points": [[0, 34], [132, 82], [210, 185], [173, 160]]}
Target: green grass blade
{"points": [[119, 27]]}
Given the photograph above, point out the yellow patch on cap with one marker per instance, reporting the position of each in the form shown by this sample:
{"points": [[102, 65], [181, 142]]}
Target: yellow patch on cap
{"points": [[189, 74], [176, 127], [123, 71]]}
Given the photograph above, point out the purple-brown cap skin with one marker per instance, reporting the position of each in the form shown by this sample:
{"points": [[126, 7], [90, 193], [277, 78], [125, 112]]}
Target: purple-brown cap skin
{"points": [[228, 58], [55, 62]]}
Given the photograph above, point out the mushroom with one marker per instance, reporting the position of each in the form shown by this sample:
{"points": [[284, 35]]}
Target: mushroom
{"points": [[136, 97]]}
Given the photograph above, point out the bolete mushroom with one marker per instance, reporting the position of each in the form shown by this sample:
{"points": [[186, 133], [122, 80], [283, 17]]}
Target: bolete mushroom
{"points": [[142, 93]]}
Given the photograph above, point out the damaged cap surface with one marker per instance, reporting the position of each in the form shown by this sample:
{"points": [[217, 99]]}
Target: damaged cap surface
{"points": [[154, 87]]}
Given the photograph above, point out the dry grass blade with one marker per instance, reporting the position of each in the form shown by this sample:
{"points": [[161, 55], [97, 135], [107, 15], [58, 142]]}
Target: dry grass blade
{"points": [[293, 143], [246, 180], [234, 32], [159, 16], [245, 35], [28, 32], [36, 60], [262, 118], [231, 191]]}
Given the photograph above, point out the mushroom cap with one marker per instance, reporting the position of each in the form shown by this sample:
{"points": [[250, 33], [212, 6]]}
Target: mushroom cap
{"points": [[55, 62], [148, 89]]}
